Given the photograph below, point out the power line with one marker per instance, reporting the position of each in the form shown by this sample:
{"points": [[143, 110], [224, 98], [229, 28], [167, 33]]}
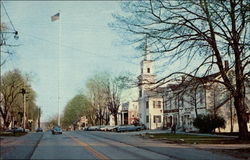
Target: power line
{"points": [[8, 17], [66, 46]]}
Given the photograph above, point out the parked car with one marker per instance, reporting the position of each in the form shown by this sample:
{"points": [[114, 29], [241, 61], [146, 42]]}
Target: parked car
{"points": [[11, 130], [16, 130], [140, 127], [93, 128], [39, 130], [103, 128], [56, 130], [85, 128], [129, 128], [112, 128]]}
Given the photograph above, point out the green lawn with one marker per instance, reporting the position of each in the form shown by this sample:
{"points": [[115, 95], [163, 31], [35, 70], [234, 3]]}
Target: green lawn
{"points": [[196, 139]]}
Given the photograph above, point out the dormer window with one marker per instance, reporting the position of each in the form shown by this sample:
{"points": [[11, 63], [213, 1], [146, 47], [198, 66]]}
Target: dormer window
{"points": [[148, 70]]}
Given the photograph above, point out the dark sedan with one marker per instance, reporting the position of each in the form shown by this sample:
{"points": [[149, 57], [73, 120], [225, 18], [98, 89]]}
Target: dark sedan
{"points": [[39, 130], [56, 130]]}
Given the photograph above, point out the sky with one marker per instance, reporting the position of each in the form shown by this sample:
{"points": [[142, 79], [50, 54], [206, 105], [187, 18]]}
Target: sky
{"points": [[88, 45]]}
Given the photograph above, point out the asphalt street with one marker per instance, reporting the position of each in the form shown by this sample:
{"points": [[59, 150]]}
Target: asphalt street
{"points": [[99, 145]]}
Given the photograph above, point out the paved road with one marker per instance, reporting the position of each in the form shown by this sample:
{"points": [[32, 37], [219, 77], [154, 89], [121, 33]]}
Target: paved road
{"points": [[87, 145], [19, 147], [99, 145]]}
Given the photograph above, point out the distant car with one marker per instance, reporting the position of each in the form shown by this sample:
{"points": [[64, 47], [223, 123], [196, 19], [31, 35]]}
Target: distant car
{"points": [[16, 130], [104, 128], [56, 130], [11, 130], [129, 128], [112, 128], [93, 128], [39, 130], [122, 128]]}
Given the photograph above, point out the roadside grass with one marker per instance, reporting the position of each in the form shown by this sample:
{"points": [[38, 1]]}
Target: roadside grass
{"points": [[196, 139], [12, 134], [241, 153]]}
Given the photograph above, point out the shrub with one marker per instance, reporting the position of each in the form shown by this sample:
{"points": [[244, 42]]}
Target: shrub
{"points": [[208, 123]]}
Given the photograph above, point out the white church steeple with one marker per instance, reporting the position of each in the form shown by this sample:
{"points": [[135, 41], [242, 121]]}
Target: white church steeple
{"points": [[146, 78], [146, 63]]}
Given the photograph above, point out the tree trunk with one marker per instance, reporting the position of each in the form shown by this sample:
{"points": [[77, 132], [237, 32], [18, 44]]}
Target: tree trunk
{"points": [[231, 115], [242, 117], [195, 103], [115, 117], [5, 121]]}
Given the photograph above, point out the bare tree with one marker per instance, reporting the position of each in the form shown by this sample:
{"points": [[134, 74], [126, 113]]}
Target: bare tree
{"points": [[202, 30], [113, 89], [6, 43], [96, 93]]}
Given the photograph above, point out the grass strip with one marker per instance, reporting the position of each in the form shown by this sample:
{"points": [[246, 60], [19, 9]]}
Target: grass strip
{"points": [[196, 139]]}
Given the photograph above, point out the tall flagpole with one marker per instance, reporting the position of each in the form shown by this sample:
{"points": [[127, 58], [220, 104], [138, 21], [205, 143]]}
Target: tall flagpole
{"points": [[59, 64]]}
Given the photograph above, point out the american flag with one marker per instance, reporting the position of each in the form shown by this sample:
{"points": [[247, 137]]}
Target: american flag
{"points": [[55, 17]]}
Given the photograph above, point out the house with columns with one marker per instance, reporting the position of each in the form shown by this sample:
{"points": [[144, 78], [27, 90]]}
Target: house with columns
{"points": [[128, 113]]}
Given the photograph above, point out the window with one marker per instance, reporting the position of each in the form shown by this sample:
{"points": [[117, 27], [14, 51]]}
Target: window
{"points": [[201, 98], [176, 103], [147, 104], [147, 119], [140, 93], [165, 105], [182, 102], [170, 103], [148, 70], [153, 104], [159, 104], [157, 119]]}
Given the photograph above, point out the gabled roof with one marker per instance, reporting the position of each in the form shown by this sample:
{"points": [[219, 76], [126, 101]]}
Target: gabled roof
{"points": [[192, 81]]}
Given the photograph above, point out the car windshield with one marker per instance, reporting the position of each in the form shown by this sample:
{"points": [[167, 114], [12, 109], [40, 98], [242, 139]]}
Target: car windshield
{"points": [[57, 128]]}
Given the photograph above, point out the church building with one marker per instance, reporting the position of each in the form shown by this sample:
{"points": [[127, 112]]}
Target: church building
{"points": [[150, 102]]}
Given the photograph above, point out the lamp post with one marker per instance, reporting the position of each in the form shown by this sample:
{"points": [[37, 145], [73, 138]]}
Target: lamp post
{"points": [[23, 92], [39, 116]]}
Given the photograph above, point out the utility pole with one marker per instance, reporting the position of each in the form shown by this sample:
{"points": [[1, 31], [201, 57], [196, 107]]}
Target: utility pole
{"points": [[39, 115], [23, 91]]}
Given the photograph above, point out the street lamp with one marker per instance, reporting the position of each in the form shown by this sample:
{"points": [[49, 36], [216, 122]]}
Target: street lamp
{"points": [[23, 92]]}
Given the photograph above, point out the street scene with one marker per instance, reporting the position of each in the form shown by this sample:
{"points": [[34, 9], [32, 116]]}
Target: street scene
{"points": [[99, 145], [125, 80]]}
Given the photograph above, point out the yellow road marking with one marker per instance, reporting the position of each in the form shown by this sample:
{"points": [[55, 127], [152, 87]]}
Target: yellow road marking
{"points": [[89, 148]]}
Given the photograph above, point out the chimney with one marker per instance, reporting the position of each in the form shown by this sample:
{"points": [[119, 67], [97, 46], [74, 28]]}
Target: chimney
{"points": [[226, 65]]}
